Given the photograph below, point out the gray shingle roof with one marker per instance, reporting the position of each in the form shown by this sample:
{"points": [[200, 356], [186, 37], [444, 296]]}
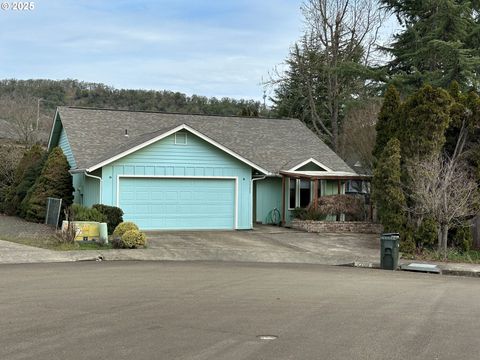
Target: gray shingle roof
{"points": [[96, 135]]}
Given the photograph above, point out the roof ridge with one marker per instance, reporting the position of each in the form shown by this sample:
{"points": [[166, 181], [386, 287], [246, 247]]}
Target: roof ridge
{"points": [[175, 113]]}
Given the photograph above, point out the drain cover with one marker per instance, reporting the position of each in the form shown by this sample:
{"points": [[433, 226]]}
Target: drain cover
{"points": [[267, 337], [421, 268]]}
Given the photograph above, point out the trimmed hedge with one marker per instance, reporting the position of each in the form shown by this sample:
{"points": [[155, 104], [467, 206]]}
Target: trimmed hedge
{"points": [[113, 215]]}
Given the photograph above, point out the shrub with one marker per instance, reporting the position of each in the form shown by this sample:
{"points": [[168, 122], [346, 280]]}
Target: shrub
{"points": [[122, 228], [133, 239], [426, 234], [407, 240], [461, 237], [308, 214], [333, 205], [54, 181], [113, 214], [27, 171], [83, 213]]}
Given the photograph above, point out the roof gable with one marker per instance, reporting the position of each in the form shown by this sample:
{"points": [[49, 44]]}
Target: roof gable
{"points": [[310, 165], [142, 144]]}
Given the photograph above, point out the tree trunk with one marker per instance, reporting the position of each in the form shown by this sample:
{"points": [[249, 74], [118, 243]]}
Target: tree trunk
{"points": [[445, 240], [439, 237]]}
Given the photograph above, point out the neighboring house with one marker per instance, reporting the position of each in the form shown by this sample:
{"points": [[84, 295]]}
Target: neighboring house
{"points": [[178, 171]]}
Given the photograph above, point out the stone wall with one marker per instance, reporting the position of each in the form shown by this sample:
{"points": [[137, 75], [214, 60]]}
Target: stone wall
{"points": [[337, 226]]}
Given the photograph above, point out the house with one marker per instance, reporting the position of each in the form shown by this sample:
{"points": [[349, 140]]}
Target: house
{"points": [[179, 171]]}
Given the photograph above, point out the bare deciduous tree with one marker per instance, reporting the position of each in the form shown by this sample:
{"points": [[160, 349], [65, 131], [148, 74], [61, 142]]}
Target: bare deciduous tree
{"points": [[346, 33], [357, 135], [442, 188], [21, 112]]}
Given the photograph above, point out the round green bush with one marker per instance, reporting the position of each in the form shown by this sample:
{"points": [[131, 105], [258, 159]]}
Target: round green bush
{"points": [[122, 228], [133, 239]]}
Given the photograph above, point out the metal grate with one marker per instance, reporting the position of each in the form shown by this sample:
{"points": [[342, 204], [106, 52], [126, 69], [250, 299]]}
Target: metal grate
{"points": [[54, 206]]}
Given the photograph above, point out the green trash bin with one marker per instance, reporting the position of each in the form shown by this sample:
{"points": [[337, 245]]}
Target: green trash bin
{"points": [[389, 251]]}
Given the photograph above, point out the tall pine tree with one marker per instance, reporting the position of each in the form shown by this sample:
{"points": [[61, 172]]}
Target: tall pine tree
{"points": [[439, 43], [387, 120], [387, 188], [54, 181], [424, 117]]}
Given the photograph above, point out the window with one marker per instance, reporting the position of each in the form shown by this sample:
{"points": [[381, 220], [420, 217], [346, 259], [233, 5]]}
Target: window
{"points": [[304, 193], [321, 188], [181, 138], [300, 193], [293, 194]]}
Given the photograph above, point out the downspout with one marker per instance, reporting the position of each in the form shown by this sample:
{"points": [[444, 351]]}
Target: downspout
{"points": [[255, 179], [100, 180]]}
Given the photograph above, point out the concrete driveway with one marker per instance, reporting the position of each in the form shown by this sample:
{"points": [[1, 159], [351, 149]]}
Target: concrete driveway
{"points": [[263, 244], [266, 244]]}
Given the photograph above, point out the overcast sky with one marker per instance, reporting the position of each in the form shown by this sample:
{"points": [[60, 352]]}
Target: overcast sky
{"points": [[205, 47]]}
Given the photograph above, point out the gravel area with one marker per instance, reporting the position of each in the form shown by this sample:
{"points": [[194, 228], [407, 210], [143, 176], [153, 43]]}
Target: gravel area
{"points": [[12, 227]]}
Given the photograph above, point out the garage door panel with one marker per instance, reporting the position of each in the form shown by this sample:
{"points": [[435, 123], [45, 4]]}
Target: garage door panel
{"points": [[175, 203]]}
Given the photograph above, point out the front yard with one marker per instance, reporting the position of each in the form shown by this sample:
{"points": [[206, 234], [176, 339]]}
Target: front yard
{"points": [[23, 232]]}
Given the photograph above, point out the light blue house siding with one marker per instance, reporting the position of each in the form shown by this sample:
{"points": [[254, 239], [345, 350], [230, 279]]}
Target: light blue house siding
{"points": [[158, 165], [268, 198], [77, 179], [67, 150]]}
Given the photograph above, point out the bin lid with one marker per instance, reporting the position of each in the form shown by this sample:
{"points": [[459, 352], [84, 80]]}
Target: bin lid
{"points": [[391, 234]]}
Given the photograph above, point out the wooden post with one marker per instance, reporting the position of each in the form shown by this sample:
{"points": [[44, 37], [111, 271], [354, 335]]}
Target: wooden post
{"points": [[283, 200], [339, 192], [315, 194]]}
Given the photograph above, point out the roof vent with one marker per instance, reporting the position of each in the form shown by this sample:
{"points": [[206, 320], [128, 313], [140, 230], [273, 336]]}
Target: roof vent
{"points": [[126, 132]]}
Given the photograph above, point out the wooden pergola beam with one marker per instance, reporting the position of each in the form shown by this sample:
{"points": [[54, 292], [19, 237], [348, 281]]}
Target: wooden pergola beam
{"points": [[325, 177]]}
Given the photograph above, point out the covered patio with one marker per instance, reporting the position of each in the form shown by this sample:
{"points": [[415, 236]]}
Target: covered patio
{"points": [[302, 188]]}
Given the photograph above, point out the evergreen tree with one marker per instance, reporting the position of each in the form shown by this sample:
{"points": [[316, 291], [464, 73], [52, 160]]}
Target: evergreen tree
{"points": [[464, 113], [26, 174], [329, 66], [387, 120], [423, 119], [387, 188], [438, 44], [54, 181]]}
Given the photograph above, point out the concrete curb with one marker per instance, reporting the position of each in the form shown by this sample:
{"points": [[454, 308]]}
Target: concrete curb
{"points": [[468, 270]]}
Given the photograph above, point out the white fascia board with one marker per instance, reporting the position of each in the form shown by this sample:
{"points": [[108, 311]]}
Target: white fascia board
{"points": [[170, 132], [324, 173], [309, 161], [53, 127]]}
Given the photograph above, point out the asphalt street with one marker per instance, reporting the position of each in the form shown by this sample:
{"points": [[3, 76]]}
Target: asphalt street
{"points": [[208, 311]]}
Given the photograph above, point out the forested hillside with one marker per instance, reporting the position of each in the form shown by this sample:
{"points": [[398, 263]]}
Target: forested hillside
{"points": [[19, 103]]}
